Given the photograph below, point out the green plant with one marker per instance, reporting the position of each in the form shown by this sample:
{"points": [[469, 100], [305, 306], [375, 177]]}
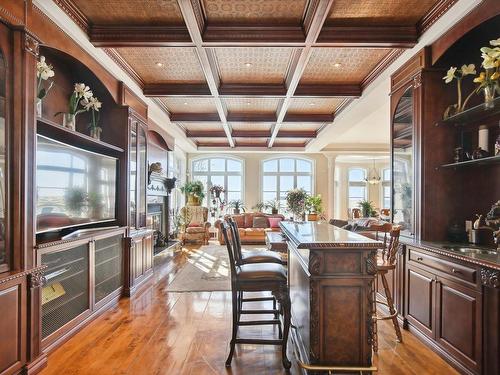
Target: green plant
{"points": [[296, 201], [195, 188], [366, 208], [237, 204], [76, 200], [260, 206], [314, 204], [273, 204]]}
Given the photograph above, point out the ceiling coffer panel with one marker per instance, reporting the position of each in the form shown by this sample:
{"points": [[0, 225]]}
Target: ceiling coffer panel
{"points": [[202, 126], [131, 12], [257, 12], [211, 142], [253, 142], [252, 105], [249, 126], [256, 65], [164, 64], [301, 126], [378, 12], [305, 105], [341, 65], [189, 105]]}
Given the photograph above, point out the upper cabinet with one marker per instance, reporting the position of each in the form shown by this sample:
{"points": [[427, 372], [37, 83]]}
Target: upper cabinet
{"points": [[138, 173]]}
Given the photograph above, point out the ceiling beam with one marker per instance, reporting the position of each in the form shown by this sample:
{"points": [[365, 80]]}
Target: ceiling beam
{"points": [[315, 17], [176, 89], [233, 35], [368, 36], [251, 134], [139, 35], [251, 117], [195, 117], [193, 21], [335, 90], [305, 117], [252, 90]]}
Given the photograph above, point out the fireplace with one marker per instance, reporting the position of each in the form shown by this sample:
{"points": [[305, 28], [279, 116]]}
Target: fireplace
{"points": [[157, 211]]}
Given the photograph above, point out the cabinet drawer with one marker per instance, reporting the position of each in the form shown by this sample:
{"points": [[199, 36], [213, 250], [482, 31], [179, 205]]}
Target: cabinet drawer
{"points": [[457, 270]]}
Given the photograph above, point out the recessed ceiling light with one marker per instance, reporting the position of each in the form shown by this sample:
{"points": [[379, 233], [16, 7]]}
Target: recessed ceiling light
{"points": [[337, 65], [311, 104], [185, 103], [159, 64], [248, 65], [248, 103]]}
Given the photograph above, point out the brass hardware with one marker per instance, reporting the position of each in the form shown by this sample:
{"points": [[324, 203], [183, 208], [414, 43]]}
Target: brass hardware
{"points": [[455, 271], [330, 369]]}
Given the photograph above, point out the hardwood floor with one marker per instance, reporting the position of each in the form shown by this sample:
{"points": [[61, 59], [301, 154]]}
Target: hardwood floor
{"points": [[160, 332]]}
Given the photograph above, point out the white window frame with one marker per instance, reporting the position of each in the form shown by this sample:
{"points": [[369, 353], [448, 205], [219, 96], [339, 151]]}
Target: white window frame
{"points": [[385, 183], [312, 174], [356, 184], [225, 173]]}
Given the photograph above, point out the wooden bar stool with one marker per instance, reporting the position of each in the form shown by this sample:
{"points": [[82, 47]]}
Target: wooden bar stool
{"points": [[261, 277], [386, 261]]}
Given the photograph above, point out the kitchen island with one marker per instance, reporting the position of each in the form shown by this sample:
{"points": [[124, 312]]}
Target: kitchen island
{"points": [[331, 273]]}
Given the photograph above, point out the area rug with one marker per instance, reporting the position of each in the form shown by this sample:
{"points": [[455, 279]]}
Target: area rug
{"points": [[207, 270]]}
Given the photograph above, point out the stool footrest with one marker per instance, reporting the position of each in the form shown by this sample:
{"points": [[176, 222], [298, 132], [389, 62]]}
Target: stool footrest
{"points": [[258, 322], [258, 299], [269, 311], [258, 341]]}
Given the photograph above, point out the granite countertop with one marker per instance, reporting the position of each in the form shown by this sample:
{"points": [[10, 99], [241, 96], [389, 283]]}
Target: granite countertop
{"points": [[481, 255], [321, 235]]}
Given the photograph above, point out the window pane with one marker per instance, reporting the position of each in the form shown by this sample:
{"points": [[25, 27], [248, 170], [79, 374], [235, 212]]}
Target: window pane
{"points": [[356, 174], [234, 165], [234, 183], [357, 192], [217, 180], [286, 183], [287, 165], [269, 196], [270, 166], [200, 166], [354, 203], [304, 166], [233, 195], [269, 183], [217, 165], [387, 174], [304, 182]]}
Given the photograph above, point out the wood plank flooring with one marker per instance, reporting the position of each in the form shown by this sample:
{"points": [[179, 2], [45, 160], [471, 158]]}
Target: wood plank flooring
{"points": [[160, 332]]}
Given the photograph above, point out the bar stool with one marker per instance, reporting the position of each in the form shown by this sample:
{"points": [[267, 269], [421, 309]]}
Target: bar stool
{"points": [[262, 277], [386, 261]]}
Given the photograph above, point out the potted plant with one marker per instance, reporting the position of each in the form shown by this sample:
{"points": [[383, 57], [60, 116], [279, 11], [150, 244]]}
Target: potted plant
{"points": [[314, 207], [93, 104], [458, 74], [237, 206], [274, 205], [81, 93], [489, 80], [259, 206], [217, 190], [366, 208], [296, 201], [44, 71], [194, 191]]}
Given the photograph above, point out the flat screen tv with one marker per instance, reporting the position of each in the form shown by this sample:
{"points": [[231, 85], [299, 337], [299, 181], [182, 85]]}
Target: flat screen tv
{"points": [[74, 187]]}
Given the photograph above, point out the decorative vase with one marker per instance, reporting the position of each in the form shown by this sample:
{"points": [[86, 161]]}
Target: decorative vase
{"points": [[69, 121], [312, 217], [489, 96], [236, 211], [95, 132], [38, 107], [193, 200]]}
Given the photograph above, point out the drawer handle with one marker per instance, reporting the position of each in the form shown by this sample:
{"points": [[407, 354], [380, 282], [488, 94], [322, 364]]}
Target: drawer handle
{"points": [[456, 271], [420, 259]]}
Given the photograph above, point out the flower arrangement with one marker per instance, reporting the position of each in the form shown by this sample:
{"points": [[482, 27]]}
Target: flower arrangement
{"points": [[79, 97], [296, 201], [93, 104], [488, 80], [458, 74], [216, 190], [44, 71], [195, 191]]}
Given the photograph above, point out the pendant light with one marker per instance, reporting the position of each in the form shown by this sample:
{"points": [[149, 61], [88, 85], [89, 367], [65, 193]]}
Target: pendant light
{"points": [[373, 176]]}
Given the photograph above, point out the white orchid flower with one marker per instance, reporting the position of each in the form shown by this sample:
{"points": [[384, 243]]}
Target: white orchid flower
{"points": [[468, 69], [450, 74], [495, 42], [83, 91]]}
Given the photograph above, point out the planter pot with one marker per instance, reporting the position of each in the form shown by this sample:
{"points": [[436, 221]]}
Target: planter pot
{"points": [[236, 211], [312, 217], [38, 107], [193, 200], [69, 121], [274, 211], [489, 96]]}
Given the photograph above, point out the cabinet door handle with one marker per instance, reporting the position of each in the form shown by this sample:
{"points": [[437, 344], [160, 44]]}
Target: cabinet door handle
{"points": [[456, 271], [420, 259]]}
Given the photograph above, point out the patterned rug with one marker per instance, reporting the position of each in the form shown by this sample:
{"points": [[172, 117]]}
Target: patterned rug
{"points": [[206, 270]]}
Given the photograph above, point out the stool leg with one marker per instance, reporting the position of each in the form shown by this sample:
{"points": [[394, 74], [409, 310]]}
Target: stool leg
{"points": [[374, 317], [392, 310], [235, 327], [285, 303]]}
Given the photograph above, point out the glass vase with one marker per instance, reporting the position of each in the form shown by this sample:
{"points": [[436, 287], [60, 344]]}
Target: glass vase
{"points": [[69, 121], [95, 132], [38, 107], [489, 96]]}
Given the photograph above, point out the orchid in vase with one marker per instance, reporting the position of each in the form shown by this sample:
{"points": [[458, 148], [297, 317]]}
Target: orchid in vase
{"points": [[81, 94], [44, 71], [93, 104], [458, 74], [489, 79]]}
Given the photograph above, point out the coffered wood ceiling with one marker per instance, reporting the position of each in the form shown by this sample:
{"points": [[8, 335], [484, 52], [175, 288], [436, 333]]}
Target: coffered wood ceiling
{"points": [[254, 73]]}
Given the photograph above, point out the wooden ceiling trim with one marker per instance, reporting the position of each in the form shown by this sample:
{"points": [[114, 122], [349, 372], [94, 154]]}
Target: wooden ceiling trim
{"points": [[240, 143], [368, 36], [435, 13], [316, 16], [343, 90], [252, 90], [195, 117], [124, 65], [381, 66], [296, 134], [251, 117], [224, 35], [139, 35], [205, 133], [192, 13], [300, 117], [74, 13], [174, 89]]}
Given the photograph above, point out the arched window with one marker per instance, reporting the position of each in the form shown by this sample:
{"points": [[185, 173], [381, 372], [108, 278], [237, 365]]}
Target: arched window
{"points": [[224, 171], [386, 188], [280, 175], [356, 186]]}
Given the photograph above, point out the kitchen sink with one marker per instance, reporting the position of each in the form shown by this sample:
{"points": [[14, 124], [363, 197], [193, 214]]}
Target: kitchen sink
{"points": [[470, 250]]}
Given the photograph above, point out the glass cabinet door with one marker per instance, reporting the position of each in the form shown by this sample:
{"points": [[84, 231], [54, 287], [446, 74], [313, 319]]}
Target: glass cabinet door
{"points": [[133, 176], [402, 164], [142, 168], [4, 255]]}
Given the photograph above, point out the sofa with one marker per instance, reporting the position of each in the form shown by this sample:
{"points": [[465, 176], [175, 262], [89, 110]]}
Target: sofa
{"points": [[251, 231]]}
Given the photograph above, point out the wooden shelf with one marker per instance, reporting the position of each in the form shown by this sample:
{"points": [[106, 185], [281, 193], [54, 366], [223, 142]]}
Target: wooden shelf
{"points": [[474, 115], [55, 131], [476, 162]]}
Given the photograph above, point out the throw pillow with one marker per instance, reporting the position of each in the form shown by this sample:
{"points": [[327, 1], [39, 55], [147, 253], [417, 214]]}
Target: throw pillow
{"points": [[193, 224], [260, 222], [274, 221]]}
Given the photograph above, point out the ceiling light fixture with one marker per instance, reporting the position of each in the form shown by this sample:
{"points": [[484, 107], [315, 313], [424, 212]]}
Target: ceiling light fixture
{"points": [[373, 176], [311, 104], [337, 65], [248, 103], [248, 65], [159, 64], [185, 103]]}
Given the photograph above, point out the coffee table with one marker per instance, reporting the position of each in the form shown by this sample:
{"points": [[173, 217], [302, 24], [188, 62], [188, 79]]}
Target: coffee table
{"points": [[276, 242]]}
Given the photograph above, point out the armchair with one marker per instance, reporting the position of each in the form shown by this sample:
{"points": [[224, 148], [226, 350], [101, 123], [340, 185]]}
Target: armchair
{"points": [[196, 226]]}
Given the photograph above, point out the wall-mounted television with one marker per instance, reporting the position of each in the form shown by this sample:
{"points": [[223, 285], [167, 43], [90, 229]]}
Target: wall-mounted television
{"points": [[74, 187]]}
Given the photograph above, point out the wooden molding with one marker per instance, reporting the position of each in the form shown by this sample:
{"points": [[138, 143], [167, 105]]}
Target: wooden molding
{"points": [[251, 134], [74, 13], [120, 61], [368, 36], [195, 117], [251, 117], [381, 66], [221, 35], [252, 90], [174, 89], [138, 35], [296, 134], [205, 133], [305, 117], [128, 98], [435, 13], [342, 90]]}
